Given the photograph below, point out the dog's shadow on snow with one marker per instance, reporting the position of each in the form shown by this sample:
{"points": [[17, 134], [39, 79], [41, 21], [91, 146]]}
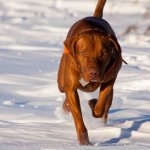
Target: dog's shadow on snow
{"points": [[127, 132]]}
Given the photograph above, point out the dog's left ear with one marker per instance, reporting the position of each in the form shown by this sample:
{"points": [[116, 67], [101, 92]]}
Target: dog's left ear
{"points": [[117, 46]]}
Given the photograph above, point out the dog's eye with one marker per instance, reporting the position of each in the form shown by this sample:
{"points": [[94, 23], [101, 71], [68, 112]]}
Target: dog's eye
{"points": [[102, 53], [83, 53]]}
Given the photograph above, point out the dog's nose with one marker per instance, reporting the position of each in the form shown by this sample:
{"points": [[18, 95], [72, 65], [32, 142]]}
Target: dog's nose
{"points": [[93, 72]]}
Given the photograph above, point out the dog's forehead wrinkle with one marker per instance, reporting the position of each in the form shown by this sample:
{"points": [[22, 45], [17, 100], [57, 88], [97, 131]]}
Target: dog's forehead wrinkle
{"points": [[83, 44], [90, 40]]}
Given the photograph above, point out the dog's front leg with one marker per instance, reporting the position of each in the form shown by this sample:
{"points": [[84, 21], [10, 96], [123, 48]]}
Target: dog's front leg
{"points": [[74, 105], [101, 106]]}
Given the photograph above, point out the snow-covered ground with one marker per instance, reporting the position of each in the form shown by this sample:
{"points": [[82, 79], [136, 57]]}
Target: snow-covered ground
{"points": [[31, 42]]}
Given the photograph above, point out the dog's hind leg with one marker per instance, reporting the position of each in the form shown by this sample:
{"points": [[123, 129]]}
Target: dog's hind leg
{"points": [[107, 107], [66, 106]]}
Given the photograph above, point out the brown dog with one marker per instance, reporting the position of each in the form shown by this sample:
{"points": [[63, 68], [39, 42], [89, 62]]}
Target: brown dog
{"points": [[91, 52]]}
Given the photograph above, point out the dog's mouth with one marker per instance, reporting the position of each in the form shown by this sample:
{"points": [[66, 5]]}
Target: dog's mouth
{"points": [[98, 78], [83, 81], [92, 74]]}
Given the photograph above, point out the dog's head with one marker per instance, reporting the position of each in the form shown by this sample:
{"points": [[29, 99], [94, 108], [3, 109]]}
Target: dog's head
{"points": [[93, 52]]}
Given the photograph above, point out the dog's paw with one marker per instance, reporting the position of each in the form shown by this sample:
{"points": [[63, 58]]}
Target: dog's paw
{"points": [[92, 104], [104, 120], [83, 138]]}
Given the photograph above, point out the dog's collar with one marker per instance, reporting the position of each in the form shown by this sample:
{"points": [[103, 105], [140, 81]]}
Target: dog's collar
{"points": [[66, 51]]}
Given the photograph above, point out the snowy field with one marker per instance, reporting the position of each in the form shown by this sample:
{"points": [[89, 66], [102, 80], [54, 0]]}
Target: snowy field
{"points": [[31, 43]]}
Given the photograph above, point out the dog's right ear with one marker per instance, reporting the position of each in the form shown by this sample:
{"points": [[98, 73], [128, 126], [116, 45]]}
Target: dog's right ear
{"points": [[69, 46], [66, 46], [69, 49]]}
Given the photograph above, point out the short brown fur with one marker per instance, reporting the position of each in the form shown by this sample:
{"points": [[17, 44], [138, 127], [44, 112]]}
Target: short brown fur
{"points": [[94, 55]]}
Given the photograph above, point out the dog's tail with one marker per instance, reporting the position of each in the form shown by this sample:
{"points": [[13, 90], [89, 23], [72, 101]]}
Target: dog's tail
{"points": [[99, 8]]}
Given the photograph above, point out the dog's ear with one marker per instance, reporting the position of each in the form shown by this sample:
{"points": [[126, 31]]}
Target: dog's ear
{"points": [[115, 44], [117, 47], [69, 46]]}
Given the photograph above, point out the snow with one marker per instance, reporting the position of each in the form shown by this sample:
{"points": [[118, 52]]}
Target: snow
{"points": [[31, 43]]}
